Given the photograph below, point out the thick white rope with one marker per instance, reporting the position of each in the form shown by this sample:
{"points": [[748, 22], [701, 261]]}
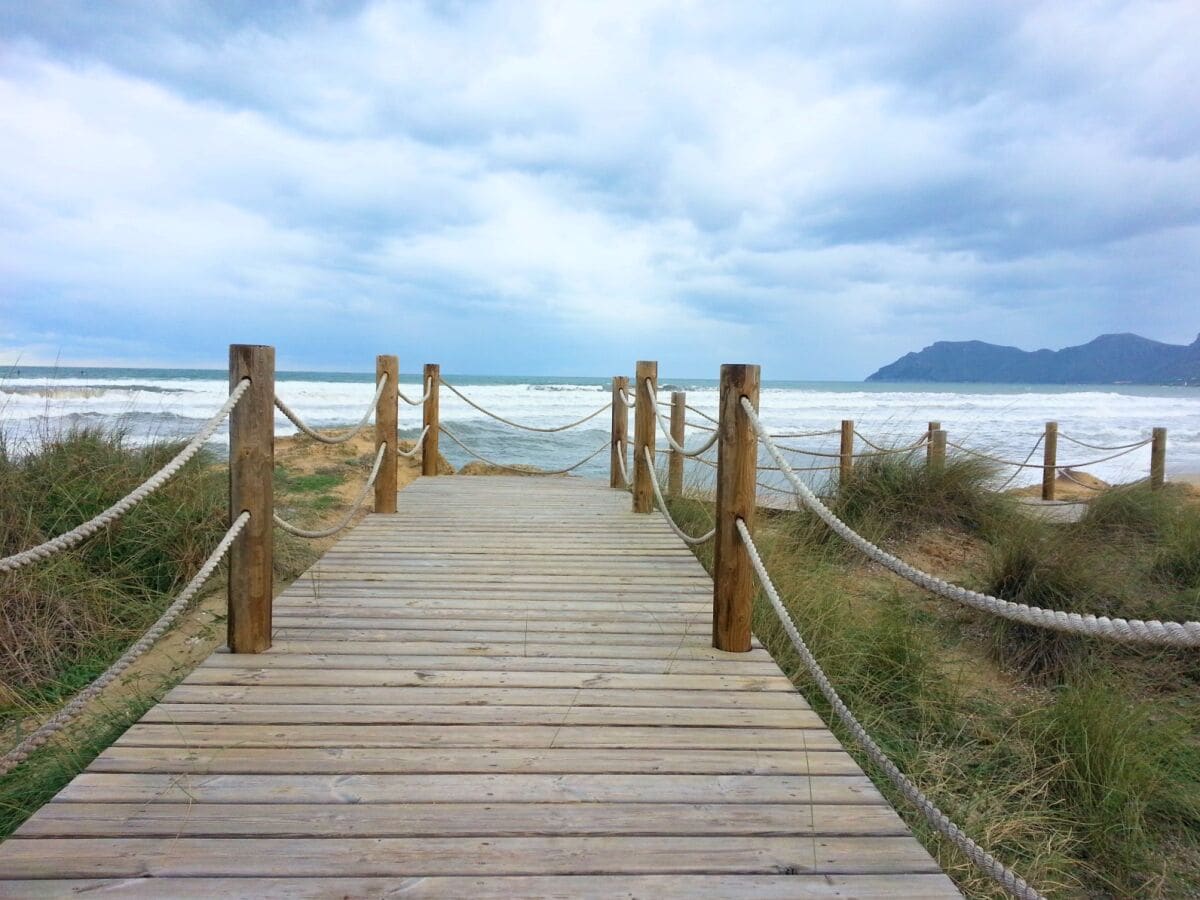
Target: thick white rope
{"points": [[1002, 874], [334, 529], [416, 448], [885, 450], [630, 400], [1100, 447], [428, 393], [1026, 465], [1152, 631], [1066, 473], [662, 506], [326, 439], [499, 418], [80, 533], [622, 467], [1013, 477], [666, 429], [71, 711], [529, 470]]}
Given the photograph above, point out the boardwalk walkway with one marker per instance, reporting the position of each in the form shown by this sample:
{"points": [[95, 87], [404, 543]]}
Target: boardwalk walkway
{"points": [[507, 689]]}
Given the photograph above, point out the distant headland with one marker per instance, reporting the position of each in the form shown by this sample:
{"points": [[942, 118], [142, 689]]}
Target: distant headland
{"points": [[1109, 359]]}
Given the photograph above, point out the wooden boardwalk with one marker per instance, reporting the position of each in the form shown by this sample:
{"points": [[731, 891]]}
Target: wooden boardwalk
{"points": [[506, 689]]}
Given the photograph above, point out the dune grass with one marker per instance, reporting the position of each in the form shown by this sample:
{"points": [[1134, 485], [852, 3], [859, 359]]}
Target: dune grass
{"points": [[1075, 761], [64, 620]]}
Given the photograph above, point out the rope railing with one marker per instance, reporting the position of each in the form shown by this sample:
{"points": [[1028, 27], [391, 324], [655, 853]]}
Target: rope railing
{"points": [[882, 449], [1028, 465], [662, 507], [1101, 447], [416, 448], [666, 429], [1017, 471], [523, 469], [295, 419], [1013, 883], [500, 418], [82, 532], [419, 401], [354, 508], [78, 703], [702, 414], [1152, 631]]}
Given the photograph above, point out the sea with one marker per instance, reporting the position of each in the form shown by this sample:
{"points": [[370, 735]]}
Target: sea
{"points": [[1000, 420]]}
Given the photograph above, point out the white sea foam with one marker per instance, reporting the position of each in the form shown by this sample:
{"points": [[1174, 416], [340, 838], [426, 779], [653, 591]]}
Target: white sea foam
{"points": [[1003, 421]]}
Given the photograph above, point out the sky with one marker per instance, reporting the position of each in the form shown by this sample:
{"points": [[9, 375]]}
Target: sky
{"points": [[563, 188]]}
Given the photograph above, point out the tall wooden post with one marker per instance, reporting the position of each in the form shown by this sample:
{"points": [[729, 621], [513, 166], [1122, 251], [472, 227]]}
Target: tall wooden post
{"points": [[1158, 458], [620, 433], [846, 451], [251, 489], [1049, 460], [937, 451], [429, 419], [675, 458], [643, 435], [386, 416], [933, 426], [737, 472]]}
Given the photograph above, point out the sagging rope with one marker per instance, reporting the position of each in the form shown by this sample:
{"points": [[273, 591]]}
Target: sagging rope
{"points": [[1002, 874], [662, 506], [1100, 447], [621, 465], [702, 414], [334, 529], [528, 470], [81, 532], [416, 448], [1151, 631], [1013, 477], [71, 711], [1028, 465], [428, 394], [924, 439], [666, 429], [499, 418], [295, 419]]}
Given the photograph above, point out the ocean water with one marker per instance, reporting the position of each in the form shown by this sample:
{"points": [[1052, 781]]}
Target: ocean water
{"points": [[1003, 420]]}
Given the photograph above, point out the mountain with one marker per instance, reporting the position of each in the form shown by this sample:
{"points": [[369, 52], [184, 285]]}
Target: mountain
{"points": [[1109, 359]]}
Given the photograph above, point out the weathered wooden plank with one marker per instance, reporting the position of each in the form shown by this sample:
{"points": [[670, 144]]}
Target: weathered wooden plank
{"points": [[426, 856], [200, 819], [491, 887], [235, 760]]}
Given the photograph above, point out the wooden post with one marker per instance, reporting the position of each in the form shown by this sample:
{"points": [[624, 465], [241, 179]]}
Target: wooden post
{"points": [[643, 436], [251, 489], [620, 433], [675, 458], [386, 416], [846, 451], [1158, 458], [933, 426], [1049, 460], [429, 419], [737, 471], [937, 451]]}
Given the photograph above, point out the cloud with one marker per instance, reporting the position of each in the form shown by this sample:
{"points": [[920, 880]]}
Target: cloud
{"points": [[566, 187]]}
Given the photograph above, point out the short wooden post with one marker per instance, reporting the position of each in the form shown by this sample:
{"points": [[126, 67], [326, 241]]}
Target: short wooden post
{"points": [[933, 426], [737, 472], [251, 489], [386, 416], [620, 433], [1049, 460], [937, 451], [643, 435], [1158, 458], [846, 451], [675, 458], [429, 419]]}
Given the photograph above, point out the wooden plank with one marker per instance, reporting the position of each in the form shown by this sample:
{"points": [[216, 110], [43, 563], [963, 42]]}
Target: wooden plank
{"points": [[398, 760], [527, 736], [448, 819], [708, 886], [427, 856]]}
